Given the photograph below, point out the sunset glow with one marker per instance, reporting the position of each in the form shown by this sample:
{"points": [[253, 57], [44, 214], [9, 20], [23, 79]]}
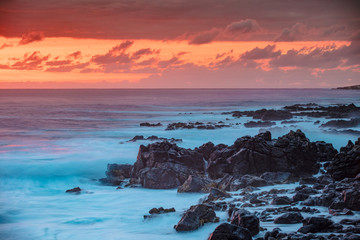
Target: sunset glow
{"points": [[112, 46]]}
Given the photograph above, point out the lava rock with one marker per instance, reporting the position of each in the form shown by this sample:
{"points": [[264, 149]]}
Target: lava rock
{"points": [[74, 190], [226, 231], [195, 217], [246, 220], [283, 200], [318, 224], [346, 164], [196, 184], [289, 218]]}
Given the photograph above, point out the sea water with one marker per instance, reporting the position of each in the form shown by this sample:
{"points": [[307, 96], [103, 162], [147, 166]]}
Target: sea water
{"points": [[53, 140]]}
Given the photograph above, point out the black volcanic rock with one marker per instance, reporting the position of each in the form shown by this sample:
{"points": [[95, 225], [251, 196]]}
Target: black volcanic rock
{"points": [[342, 123], [245, 219], [164, 165], [195, 217], [74, 190], [283, 200], [226, 231], [289, 218], [346, 164], [318, 224], [116, 173], [146, 124], [196, 184], [253, 124]]}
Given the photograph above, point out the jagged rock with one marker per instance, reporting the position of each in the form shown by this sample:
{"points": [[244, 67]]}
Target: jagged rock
{"points": [[351, 198], [342, 123], [196, 184], [195, 217], [164, 165], [146, 124], [346, 164], [292, 153], [277, 177], [289, 218], [226, 231], [274, 234], [246, 220], [116, 173], [283, 200], [216, 194], [318, 224], [252, 124], [74, 190], [300, 197]]}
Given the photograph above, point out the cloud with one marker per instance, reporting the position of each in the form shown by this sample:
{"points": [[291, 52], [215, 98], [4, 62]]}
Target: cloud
{"points": [[143, 52], [170, 62], [31, 37], [122, 47], [57, 63], [296, 32], [261, 53], [5, 45], [31, 61], [243, 26], [74, 55], [67, 68], [205, 36], [319, 57]]}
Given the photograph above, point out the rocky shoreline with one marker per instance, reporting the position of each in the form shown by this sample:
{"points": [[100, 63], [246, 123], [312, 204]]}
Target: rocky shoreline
{"points": [[234, 175]]}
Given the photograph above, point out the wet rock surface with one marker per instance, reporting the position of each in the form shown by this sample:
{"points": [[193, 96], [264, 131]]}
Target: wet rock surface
{"points": [[247, 165], [197, 125], [75, 190], [346, 163], [195, 217], [226, 231]]}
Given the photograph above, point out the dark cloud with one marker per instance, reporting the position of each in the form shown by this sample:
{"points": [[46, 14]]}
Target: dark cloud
{"points": [[67, 68], [243, 26], [170, 62], [143, 52], [5, 45], [74, 55], [261, 53], [295, 33], [31, 37], [58, 63], [205, 36], [31, 61], [112, 19], [320, 57]]}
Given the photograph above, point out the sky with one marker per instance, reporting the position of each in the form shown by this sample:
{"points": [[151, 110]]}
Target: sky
{"points": [[179, 43]]}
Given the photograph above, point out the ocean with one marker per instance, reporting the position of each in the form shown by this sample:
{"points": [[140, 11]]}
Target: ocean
{"points": [[53, 140]]}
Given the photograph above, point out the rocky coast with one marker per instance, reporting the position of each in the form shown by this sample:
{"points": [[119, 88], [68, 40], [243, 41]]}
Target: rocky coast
{"points": [[244, 180]]}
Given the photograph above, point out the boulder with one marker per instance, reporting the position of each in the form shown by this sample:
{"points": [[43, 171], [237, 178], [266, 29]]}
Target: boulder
{"points": [[196, 184], [351, 198], [226, 231], [164, 165], [245, 219], [195, 217], [74, 190], [283, 200], [116, 173], [289, 218], [318, 224], [292, 153], [277, 177], [346, 164], [216, 194]]}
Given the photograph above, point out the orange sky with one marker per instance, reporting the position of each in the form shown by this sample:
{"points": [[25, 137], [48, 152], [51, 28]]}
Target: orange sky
{"points": [[235, 48]]}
